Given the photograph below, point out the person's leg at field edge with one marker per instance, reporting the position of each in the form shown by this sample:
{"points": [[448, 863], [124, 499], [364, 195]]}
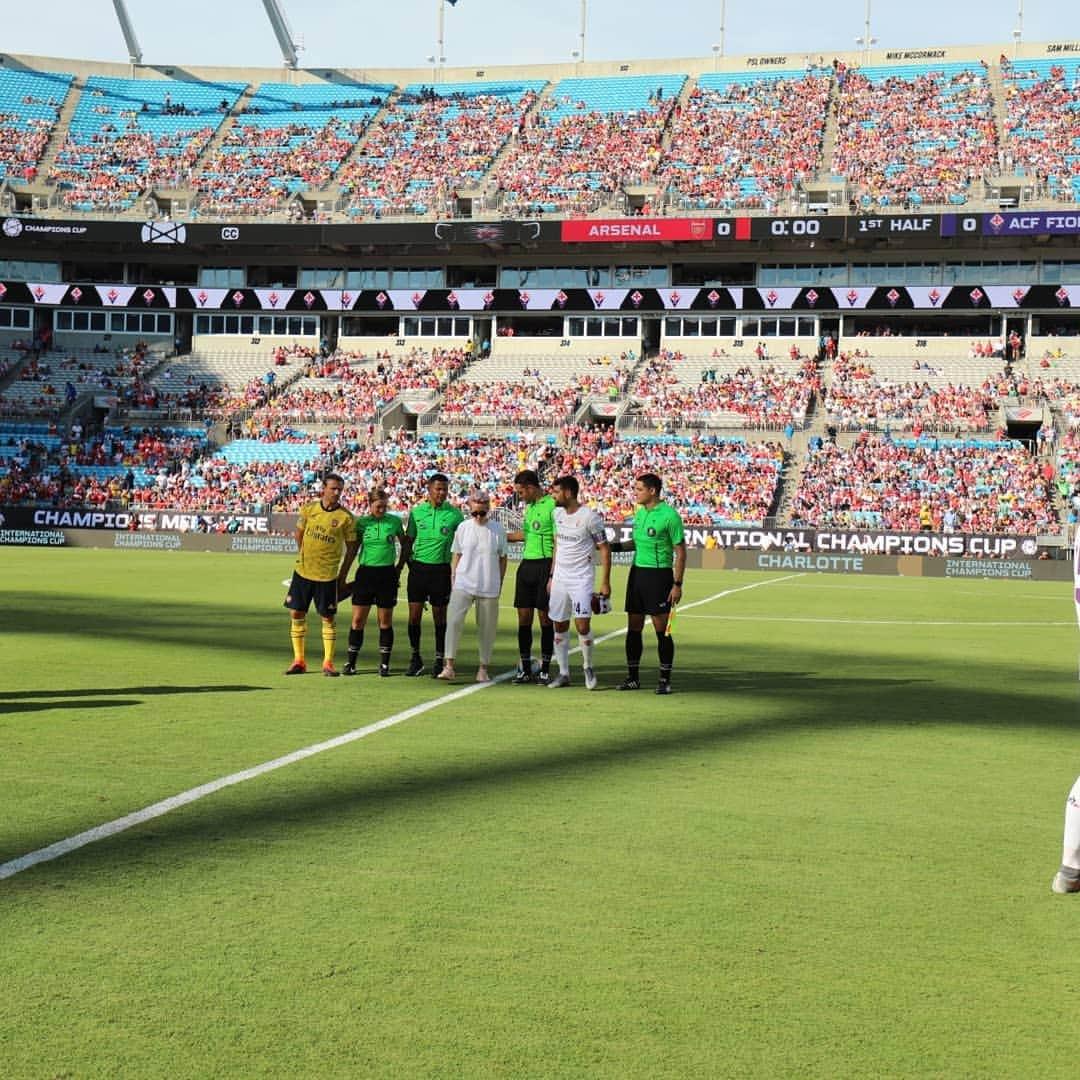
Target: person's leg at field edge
{"points": [[386, 638], [460, 602], [487, 621], [1067, 879], [356, 636]]}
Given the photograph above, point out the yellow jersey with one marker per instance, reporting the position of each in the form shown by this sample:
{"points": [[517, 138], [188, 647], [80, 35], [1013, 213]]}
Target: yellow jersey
{"points": [[326, 532]]}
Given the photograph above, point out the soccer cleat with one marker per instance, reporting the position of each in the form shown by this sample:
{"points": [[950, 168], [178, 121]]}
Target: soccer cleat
{"points": [[558, 681], [416, 667], [349, 669], [663, 687], [436, 668], [590, 679], [330, 671], [1063, 884], [384, 670], [544, 678], [522, 678], [298, 667], [629, 684]]}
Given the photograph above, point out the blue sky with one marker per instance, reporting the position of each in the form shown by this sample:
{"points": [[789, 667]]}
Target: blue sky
{"points": [[402, 33]]}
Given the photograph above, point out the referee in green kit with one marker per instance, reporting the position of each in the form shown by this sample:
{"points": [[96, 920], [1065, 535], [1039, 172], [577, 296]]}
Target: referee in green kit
{"points": [[655, 583], [430, 528]]}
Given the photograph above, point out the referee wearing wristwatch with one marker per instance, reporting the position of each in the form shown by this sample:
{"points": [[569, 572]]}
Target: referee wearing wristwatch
{"points": [[656, 579]]}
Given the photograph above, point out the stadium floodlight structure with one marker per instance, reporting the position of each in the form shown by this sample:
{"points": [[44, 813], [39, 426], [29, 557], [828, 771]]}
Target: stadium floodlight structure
{"points": [[866, 41], [280, 25], [127, 28]]}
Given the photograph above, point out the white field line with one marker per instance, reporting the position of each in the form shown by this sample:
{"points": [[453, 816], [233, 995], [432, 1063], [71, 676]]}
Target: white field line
{"points": [[872, 622], [174, 802]]}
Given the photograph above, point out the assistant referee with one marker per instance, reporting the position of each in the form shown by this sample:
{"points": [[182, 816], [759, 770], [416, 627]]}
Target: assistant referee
{"points": [[655, 582]]}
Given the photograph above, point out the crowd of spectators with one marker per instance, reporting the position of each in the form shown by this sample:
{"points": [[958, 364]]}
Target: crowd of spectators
{"points": [[345, 386], [711, 481], [947, 486], [255, 169], [857, 398], [575, 162], [531, 401], [1041, 106], [423, 151], [109, 169], [914, 141], [759, 396], [745, 144]]}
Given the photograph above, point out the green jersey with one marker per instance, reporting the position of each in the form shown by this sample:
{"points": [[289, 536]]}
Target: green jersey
{"points": [[432, 528], [377, 536], [656, 533], [539, 529]]}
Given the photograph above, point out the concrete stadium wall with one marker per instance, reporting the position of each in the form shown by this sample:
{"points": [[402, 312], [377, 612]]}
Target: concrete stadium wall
{"points": [[696, 65]]}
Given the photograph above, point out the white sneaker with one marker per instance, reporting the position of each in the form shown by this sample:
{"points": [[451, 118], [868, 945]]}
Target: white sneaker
{"points": [[1062, 884], [558, 681], [590, 679]]}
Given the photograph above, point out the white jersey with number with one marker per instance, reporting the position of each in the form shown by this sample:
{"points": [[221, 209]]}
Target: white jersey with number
{"points": [[576, 537]]}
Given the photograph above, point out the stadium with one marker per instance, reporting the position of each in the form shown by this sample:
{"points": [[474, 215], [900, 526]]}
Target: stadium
{"points": [[831, 302]]}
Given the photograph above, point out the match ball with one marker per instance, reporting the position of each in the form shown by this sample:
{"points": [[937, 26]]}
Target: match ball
{"points": [[601, 605]]}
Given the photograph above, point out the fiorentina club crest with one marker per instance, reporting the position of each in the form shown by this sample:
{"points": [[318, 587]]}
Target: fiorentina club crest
{"points": [[237, 298], [561, 298], [674, 298], [202, 298], [636, 298], [934, 296], [273, 298], [76, 294], [771, 297], [1062, 296], [309, 299], [381, 299], [148, 296], [112, 296], [996, 222], [976, 296], [489, 299], [892, 296], [713, 298], [852, 298], [812, 297], [452, 300]]}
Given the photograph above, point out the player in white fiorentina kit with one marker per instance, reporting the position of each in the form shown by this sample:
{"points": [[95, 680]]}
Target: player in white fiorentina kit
{"points": [[579, 531]]}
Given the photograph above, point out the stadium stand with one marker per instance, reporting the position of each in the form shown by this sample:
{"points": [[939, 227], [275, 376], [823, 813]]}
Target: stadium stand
{"points": [[1042, 101], [129, 136], [30, 103], [289, 139], [672, 390], [744, 141], [431, 143], [915, 135], [587, 139], [883, 483]]}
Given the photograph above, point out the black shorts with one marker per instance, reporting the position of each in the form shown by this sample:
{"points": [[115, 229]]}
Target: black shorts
{"points": [[376, 585], [530, 585], [429, 582], [647, 590], [303, 593]]}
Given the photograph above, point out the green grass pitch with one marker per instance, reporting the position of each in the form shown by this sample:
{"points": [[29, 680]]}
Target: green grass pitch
{"points": [[827, 855]]}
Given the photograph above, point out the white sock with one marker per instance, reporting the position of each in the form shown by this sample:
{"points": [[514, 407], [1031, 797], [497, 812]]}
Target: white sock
{"points": [[585, 641], [1071, 853], [562, 653]]}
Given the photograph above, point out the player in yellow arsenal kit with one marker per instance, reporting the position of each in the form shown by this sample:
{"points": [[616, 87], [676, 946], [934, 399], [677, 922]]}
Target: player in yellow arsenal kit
{"points": [[326, 538]]}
